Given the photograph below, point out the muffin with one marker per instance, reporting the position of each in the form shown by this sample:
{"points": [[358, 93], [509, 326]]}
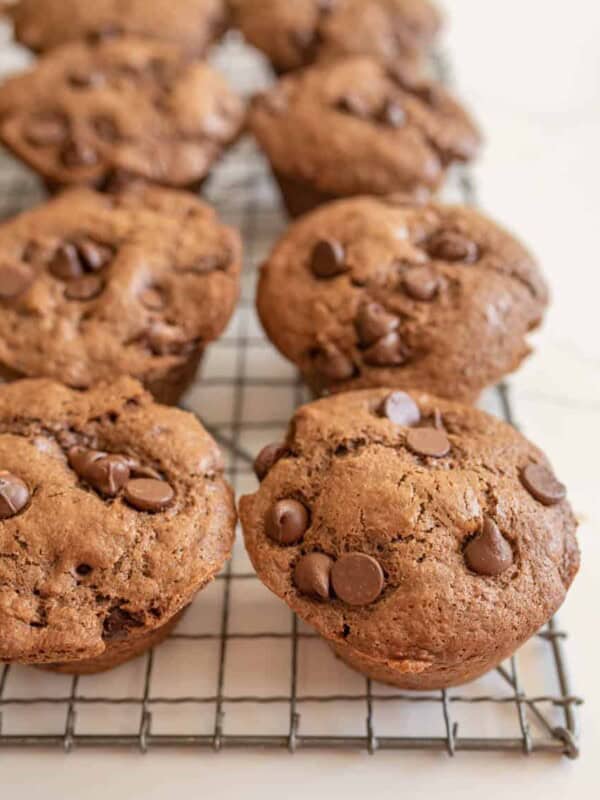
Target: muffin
{"points": [[193, 25], [113, 513], [119, 110], [383, 292], [424, 540], [95, 286], [295, 34], [352, 127]]}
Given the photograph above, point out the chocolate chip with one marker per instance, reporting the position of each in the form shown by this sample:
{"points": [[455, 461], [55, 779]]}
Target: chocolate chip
{"points": [[389, 351], [357, 579], [401, 409], [287, 522], [355, 105], [78, 154], [330, 362], [208, 263], [86, 79], [14, 494], [65, 263], [372, 322], [95, 255], [312, 575], [107, 473], [14, 280], [327, 259], [106, 128], [421, 283], [488, 553], [84, 288], [428, 442], [83, 570], [267, 458], [46, 129], [166, 340], [392, 115], [118, 623], [452, 246], [153, 299], [149, 494], [107, 31], [542, 484]]}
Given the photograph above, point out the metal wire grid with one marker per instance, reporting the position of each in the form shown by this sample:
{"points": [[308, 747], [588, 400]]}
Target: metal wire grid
{"points": [[244, 372]]}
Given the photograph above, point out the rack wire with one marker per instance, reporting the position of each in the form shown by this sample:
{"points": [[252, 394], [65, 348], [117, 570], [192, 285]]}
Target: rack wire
{"points": [[242, 671]]}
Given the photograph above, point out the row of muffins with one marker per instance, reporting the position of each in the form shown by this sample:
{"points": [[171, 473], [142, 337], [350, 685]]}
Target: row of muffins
{"points": [[422, 538]]}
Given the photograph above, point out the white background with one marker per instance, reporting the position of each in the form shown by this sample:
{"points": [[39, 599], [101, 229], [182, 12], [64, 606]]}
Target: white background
{"points": [[530, 69]]}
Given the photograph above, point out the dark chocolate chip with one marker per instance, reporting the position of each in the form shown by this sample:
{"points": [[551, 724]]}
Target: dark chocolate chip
{"points": [[542, 484], [83, 570], [357, 579], [312, 575], [428, 442], [95, 255], [421, 283], [78, 154], [109, 30], [118, 623], [14, 280], [327, 259], [372, 322], [488, 553], [389, 351], [65, 263], [287, 522], [331, 363], [86, 79], [392, 115], [401, 409], [452, 246], [267, 458], [14, 494], [152, 298], [354, 104], [85, 288], [107, 473], [47, 129], [148, 494], [166, 340]]}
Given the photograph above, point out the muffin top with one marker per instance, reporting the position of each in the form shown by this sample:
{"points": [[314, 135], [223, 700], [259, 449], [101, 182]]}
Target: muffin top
{"points": [[293, 34], [113, 512], [191, 24], [93, 286], [352, 127], [413, 529], [122, 108], [381, 292]]}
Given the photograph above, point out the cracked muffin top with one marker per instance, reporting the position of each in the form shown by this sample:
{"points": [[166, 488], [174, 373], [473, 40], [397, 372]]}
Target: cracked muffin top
{"points": [[113, 513], [383, 292], [119, 110], [352, 127], [191, 24], [93, 286], [294, 34], [415, 531]]}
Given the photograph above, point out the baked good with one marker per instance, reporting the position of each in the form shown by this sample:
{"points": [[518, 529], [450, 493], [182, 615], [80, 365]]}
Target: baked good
{"points": [[385, 292], [193, 25], [94, 286], [294, 34], [353, 127], [119, 110], [113, 513], [423, 539]]}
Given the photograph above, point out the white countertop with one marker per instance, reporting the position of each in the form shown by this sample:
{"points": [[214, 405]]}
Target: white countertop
{"points": [[530, 69]]}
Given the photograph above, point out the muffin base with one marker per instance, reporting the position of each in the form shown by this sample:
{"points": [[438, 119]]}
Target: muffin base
{"points": [[117, 652]]}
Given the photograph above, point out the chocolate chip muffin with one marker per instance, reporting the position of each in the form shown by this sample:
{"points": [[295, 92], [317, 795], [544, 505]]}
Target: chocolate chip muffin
{"points": [[383, 292], [118, 111], [113, 513], [353, 127], [424, 540], [294, 34], [191, 24], [95, 286]]}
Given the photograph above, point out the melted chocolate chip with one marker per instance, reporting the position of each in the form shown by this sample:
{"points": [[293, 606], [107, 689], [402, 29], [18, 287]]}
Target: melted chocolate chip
{"points": [[327, 259], [373, 322], [267, 458], [167, 340], [65, 263], [428, 442], [357, 579], [14, 280], [287, 522], [95, 255], [543, 485], [389, 351], [47, 129], [78, 154], [401, 409], [452, 246], [85, 288], [488, 553], [148, 494], [421, 283], [118, 623], [392, 115], [86, 79], [331, 363], [354, 104], [107, 473], [14, 494], [312, 575]]}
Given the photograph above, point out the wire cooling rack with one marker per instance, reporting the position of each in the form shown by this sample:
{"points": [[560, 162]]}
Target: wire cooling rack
{"points": [[241, 670]]}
